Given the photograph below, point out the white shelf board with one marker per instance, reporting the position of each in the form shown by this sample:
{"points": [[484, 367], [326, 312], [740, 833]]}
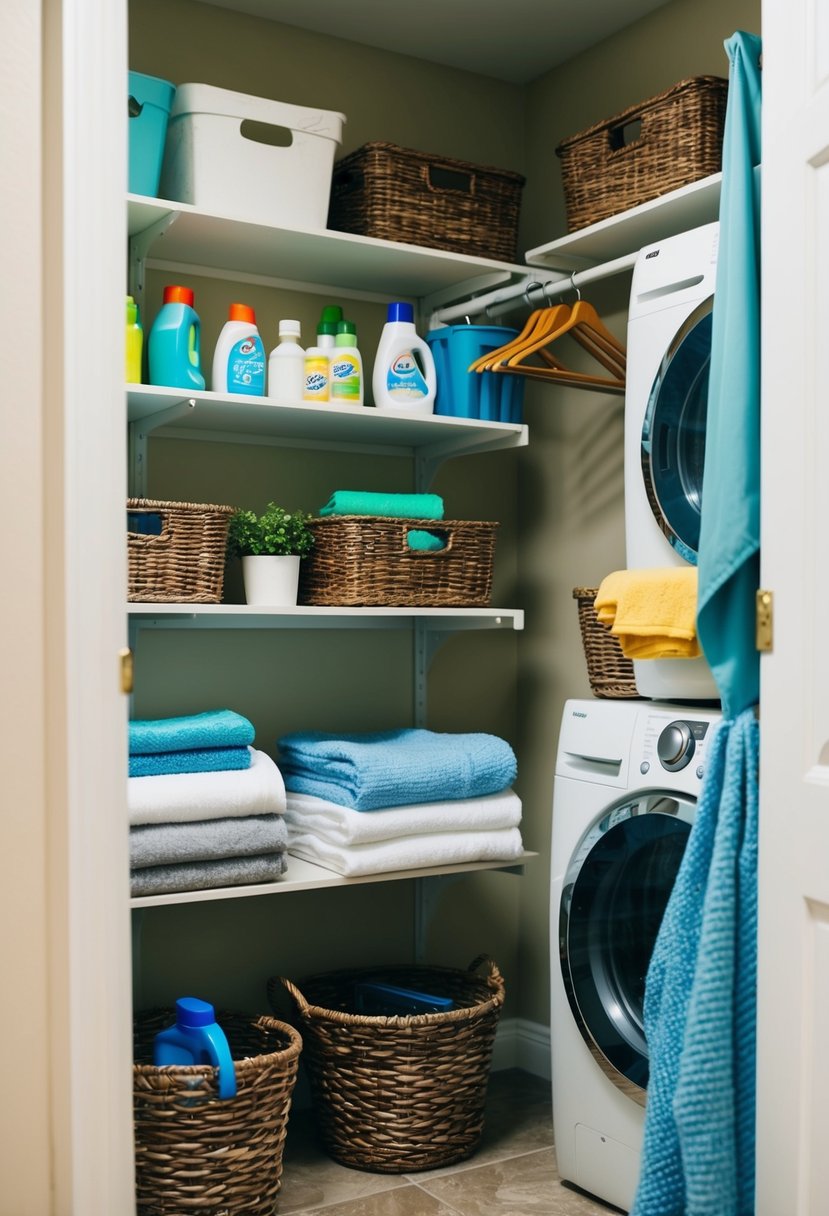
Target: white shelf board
{"points": [[305, 876], [311, 423], [247, 616], [678, 211], [207, 240]]}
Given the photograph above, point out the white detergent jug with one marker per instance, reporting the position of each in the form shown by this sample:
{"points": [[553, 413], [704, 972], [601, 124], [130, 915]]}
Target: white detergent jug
{"points": [[404, 370]]}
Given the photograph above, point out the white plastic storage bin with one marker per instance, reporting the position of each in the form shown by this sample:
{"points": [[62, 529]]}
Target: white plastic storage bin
{"points": [[249, 157]]}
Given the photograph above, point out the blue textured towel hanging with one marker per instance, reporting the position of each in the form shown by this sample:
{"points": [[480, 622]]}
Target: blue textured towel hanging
{"points": [[729, 562]]}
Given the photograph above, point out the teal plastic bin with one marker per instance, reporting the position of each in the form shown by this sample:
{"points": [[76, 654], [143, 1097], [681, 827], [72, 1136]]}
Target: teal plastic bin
{"points": [[464, 394], [149, 104]]}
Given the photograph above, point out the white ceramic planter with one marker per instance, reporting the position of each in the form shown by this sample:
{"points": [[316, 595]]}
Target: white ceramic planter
{"points": [[271, 581]]}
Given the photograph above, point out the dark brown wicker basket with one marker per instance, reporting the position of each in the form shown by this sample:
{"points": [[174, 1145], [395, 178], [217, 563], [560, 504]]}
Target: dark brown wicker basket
{"points": [[365, 560], [185, 562], [609, 672], [399, 194], [397, 1094], [678, 140], [198, 1154]]}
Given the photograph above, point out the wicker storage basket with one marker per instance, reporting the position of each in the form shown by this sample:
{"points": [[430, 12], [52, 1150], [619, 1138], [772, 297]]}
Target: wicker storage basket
{"points": [[363, 560], [182, 563], [197, 1154], [609, 672], [399, 194], [397, 1094], [679, 140]]}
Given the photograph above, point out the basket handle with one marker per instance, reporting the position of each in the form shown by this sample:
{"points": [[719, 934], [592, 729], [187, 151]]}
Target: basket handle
{"points": [[494, 973], [151, 538], [448, 179], [628, 134], [291, 988], [435, 528]]}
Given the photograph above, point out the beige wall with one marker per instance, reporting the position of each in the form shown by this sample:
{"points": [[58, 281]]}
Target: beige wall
{"points": [[560, 501]]}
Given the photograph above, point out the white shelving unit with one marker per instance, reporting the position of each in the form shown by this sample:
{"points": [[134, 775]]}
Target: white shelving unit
{"points": [[618, 235], [180, 237]]}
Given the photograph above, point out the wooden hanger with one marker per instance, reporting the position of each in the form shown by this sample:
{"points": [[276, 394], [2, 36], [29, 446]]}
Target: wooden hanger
{"points": [[586, 327], [531, 326]]}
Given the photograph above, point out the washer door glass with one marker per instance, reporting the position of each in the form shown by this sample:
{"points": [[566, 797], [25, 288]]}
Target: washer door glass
{"points": [[614, 896], [673, 433]]}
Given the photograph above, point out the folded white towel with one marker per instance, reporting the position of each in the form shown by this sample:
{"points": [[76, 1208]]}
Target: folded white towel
{"points": [[183, 797], [407, 852], [341, 825]]}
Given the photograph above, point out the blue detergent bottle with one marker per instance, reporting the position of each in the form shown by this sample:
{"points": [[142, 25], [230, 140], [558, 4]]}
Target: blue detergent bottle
{"points": [[174, 346], [196, 1038]]}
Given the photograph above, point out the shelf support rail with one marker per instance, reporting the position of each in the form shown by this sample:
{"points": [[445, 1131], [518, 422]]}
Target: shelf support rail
{"points": [[519, 295], [139, 246], [139, 433]]}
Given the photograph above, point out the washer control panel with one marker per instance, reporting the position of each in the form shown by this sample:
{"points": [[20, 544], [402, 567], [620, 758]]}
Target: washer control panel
{"points": [[671, 744]]}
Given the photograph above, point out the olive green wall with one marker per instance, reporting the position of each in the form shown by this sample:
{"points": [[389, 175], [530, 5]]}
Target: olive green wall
{"points": [[560, 502], [571, 483]]}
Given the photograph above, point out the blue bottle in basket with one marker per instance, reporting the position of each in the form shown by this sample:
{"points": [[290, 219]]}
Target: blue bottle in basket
{"points": [[196, 1038]]}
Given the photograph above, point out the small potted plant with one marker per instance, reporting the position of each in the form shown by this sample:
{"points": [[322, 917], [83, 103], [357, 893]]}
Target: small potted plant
{"points": [[271, 546]]}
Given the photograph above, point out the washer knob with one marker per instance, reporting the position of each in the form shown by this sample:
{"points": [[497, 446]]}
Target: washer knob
{"points": [[675, 746]]}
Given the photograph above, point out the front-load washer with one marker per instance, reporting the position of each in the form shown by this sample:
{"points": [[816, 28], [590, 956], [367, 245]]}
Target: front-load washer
{"points": [[666, 400], [628, 775]]}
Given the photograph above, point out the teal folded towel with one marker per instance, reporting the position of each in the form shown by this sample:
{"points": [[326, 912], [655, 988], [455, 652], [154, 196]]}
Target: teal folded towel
{"points": [[216, 728], [392, 768], [396, 506], [193, 760], [424, 542]]}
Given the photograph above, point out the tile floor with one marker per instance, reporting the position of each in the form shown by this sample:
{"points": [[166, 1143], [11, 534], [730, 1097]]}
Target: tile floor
{"points": [[513, 1173]]}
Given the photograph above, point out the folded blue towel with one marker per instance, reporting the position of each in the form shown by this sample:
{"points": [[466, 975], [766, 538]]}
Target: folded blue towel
{"points": [[216, 728], [392, 768], [700, 1002], [397, 506], [194, 760]]}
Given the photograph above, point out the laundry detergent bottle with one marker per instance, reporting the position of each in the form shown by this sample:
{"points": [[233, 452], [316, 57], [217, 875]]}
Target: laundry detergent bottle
{"points": [[404, 370], [196, 1038], [346, 367], [174, 345], [134, 343], [239, 357]]}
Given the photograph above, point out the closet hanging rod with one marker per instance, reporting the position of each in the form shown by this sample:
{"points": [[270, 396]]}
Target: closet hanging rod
{"points": [[533, 291]]}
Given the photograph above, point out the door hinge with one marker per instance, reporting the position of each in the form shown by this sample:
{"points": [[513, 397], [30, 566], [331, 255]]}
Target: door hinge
{"points": [[126, 669], [764, 620]]}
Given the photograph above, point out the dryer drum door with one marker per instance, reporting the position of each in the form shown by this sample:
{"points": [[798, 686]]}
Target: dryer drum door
{"points": [[673, 433], [614, 896]]}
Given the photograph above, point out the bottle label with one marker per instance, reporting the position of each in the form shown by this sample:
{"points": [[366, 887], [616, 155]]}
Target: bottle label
{"points": [[246, 367], [316, 378], [404, 381], [345, 379]]}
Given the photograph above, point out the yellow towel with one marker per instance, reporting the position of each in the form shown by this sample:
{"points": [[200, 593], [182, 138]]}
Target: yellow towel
{"points": [[652, 612]]}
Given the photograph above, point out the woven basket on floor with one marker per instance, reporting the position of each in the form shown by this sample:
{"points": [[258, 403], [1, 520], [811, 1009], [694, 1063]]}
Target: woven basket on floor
{"points": [[678, 139], [397, 1094], [365, 560], [609, 672], [399, 194], [176, 551], [197, 1154]]}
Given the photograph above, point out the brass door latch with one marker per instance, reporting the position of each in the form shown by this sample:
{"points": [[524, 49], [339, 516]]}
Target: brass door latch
{"points": [[764, 620]]}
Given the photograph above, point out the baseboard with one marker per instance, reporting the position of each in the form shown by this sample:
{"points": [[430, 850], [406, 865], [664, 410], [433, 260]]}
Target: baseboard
{"points": [[522, 1044]]}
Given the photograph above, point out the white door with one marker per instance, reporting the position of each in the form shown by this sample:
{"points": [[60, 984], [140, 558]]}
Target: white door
{"points": [[793, 1038]]}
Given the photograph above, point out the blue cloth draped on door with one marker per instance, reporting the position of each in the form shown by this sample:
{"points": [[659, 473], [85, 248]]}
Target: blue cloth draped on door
{"points": [[700, 991]]}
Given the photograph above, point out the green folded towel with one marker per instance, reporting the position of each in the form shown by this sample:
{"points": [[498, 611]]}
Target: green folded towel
{"points": [[397, 506]]}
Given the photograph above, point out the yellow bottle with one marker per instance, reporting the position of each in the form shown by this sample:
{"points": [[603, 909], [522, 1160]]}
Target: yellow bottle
{"points": [[134, 343]]}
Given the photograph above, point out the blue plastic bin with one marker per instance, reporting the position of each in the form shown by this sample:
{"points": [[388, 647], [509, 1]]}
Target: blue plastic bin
{"points": [[150, 101], [464, 394]]}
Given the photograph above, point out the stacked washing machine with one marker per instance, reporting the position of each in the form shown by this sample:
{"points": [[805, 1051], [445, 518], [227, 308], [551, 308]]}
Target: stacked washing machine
{"points": [[628, 773]]}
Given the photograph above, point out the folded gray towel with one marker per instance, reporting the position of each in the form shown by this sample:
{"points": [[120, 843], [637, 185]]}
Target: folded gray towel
{"points": [[207, 875], [158, 844]]}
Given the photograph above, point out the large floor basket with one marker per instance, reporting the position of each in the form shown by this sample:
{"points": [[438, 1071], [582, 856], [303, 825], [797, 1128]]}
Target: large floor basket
{"points": [[199, 1155], [398, 1094]]}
